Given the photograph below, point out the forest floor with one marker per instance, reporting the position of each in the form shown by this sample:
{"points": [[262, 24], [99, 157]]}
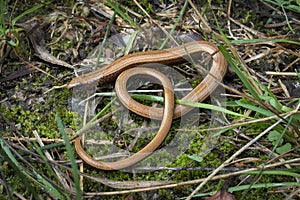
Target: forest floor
{"points": [[240, 143]]}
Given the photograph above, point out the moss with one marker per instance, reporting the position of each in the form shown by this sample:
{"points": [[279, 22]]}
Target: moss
{"points": [[40, 116], [249, 16], [262, 193], [195, 83], [165, 194], [226, 149]]}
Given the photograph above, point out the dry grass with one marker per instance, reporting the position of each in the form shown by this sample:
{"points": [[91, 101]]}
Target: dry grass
{"points": [[257, 132]]}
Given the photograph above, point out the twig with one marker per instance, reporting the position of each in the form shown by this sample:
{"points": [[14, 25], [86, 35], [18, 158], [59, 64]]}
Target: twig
{"points": [[46, 140], [284, 88], [197, 181], [282, 73], [238, 153], [49, 157]]}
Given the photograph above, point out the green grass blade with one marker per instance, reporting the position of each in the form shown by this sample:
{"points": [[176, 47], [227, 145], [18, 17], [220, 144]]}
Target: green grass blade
{"points": [[107, 106], [189, 103], [26, 12], [14, 164], [52, 190], [181, 14], [22, 172], [286, 4], [276, 172], [239, 73], [254, 186], [107, 32], [264, 40], [2, 24], [70, 153], [212, 107], [116, 8], [51, 146], [40, 152], [263, 185], [255, 108], [237, 64], [131, 41]]}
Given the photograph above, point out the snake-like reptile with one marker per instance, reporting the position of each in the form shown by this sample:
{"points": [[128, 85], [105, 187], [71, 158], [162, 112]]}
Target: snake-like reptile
{"points": [[125, 67]]}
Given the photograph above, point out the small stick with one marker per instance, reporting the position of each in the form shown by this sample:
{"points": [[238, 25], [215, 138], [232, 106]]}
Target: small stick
{"points": [[282, 73]]}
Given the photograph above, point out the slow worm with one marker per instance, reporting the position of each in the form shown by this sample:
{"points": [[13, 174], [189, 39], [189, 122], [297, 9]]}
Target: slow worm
{"points": [[161, 134], [127, 66]]}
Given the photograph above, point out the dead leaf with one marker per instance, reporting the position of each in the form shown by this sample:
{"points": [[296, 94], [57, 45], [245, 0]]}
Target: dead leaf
{"points": [[36, 35]]}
